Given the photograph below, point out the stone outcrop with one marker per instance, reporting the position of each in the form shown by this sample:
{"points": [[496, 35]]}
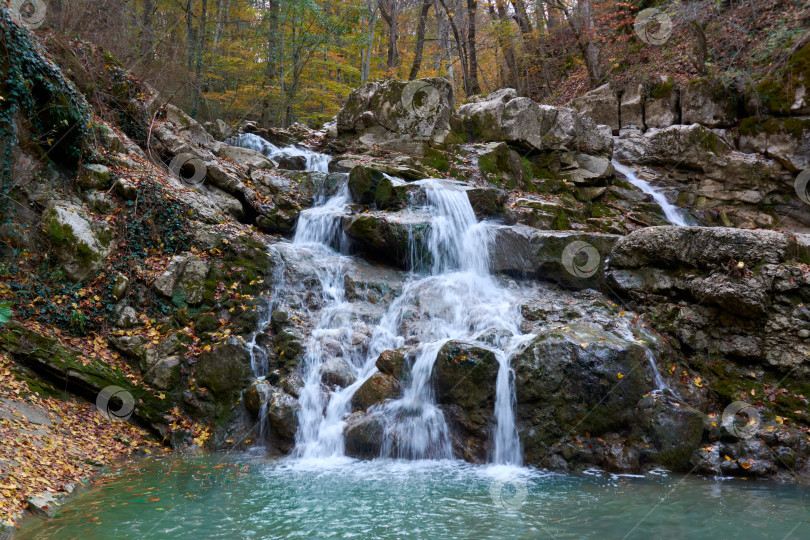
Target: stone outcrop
{"points": [[601, 104], [693, 146], [693, 277], [502, 116], [400, 115], [80, 243]]}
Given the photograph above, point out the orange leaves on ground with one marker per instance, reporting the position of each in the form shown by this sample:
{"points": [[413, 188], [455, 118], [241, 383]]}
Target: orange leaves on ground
{"points": [[38, 457]]}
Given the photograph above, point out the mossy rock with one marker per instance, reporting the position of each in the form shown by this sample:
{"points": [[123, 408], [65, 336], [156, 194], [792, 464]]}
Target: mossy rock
{"points": [[363, 182], [49, 359], [225, 370]]}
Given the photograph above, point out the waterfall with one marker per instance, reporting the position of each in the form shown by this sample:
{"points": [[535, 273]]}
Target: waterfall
{"points": [[672, 213], [315, 161], [660, 384], [457, 300], [323, 223]]}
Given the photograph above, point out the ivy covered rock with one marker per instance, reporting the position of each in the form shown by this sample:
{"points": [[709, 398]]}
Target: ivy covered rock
{"points": [[80, 244]]}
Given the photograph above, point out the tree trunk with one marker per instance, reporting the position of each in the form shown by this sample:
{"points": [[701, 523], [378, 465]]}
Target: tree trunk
{"points": [[272, 63], [474, 87], [504, 35], [462, 49], [198, 82], [701, 51], [420, 40], [391, 19], [147, 32], [591, 47]]}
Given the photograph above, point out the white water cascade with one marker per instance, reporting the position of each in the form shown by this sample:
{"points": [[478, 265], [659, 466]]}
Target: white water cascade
{"points": [[315, 161], [457, 300], [672, 213]]}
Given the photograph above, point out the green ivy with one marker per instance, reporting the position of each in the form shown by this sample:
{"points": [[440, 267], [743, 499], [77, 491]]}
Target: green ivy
{"points": [[34, 91]]}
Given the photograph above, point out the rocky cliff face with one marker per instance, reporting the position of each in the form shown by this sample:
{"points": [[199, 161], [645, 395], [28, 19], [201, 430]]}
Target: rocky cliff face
{"points": [[730, 156]]}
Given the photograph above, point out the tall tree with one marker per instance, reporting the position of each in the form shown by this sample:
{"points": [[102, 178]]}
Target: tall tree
{"points": [[474, 87], [420, 39], [390, 14]]}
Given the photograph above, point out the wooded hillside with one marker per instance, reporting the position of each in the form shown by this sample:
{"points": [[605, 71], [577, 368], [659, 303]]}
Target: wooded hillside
{"points": [[282, 62]]}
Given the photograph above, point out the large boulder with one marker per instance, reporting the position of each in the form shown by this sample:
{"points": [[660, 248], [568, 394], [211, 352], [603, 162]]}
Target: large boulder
{"points": [[786, 140], [80, 244], [387, 236], [692, 146], [601, 104], [573, 259], [187, 127], [699, 247], [364, 434], [577, 380], [246, 157], [661, 106], [709, 103], [376, 390], [225, 370], [399, 115], [502, 116], [632, 106]]}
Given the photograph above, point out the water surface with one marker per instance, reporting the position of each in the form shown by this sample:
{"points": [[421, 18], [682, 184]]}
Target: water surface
{"points": [[242, 496]]}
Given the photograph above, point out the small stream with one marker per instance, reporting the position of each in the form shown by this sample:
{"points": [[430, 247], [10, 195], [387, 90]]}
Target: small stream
{"points": [[672, 212]]}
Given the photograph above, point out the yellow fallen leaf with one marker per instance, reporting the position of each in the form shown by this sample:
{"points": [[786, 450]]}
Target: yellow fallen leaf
{"points": [[619, 375]]}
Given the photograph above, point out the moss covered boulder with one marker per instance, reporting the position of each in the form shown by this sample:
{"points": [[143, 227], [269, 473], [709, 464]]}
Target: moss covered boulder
{"points": [[80, 244], [386, 236], [225, 370], [578, 378]]}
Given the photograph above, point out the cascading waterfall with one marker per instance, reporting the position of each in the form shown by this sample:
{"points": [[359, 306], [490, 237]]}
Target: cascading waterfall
{"points": [[458, 300], [322, 224], [315, 161], [672, 213]]}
